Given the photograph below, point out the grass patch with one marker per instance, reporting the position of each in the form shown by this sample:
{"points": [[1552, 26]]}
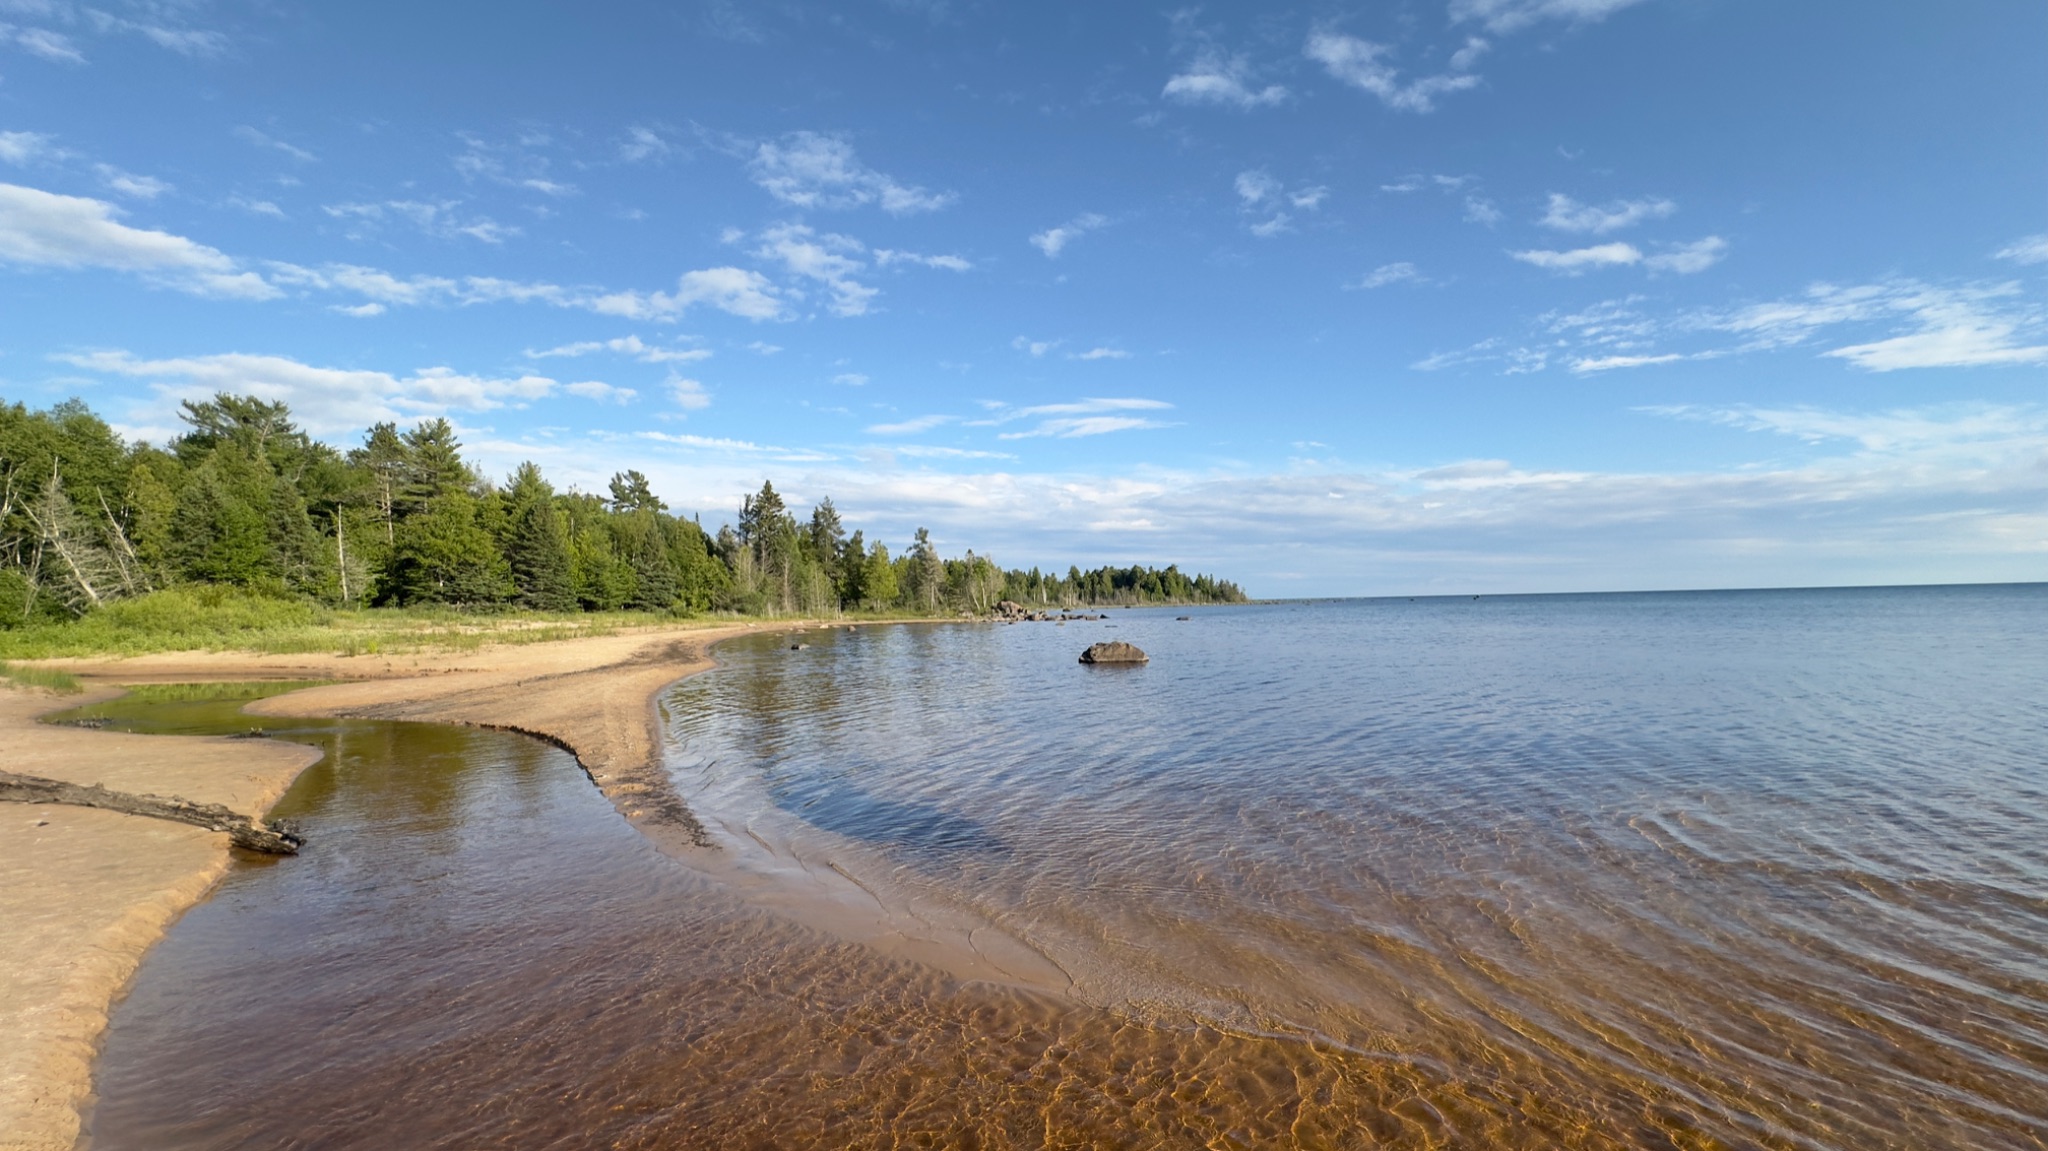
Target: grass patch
{"points": [[209, 692], [63, 683], [211, 618]]}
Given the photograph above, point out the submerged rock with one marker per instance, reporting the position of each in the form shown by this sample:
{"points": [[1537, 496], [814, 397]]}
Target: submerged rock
{"points": [[1115, 651]]}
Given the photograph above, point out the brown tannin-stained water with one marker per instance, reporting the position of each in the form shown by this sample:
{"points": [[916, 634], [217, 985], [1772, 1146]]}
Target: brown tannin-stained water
{"points": [[1691, 870]]}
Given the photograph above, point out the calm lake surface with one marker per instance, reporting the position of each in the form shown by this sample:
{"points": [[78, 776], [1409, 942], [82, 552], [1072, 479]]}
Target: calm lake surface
{"points": [[1744, 869]]}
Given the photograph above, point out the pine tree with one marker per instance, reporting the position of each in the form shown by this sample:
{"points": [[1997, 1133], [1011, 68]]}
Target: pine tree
{"points": [[444, 555], [654, 574], [538, 552], [878, 580]]}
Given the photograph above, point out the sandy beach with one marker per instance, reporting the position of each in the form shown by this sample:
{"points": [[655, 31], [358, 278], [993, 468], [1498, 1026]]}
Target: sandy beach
{"points": [[84, 893]]}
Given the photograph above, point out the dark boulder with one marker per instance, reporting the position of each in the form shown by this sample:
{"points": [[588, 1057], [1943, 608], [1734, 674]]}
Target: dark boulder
{"points": [[1115, 651]]}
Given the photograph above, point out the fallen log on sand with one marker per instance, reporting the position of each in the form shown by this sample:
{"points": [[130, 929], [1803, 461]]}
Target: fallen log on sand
{"points": [[244, 832]]}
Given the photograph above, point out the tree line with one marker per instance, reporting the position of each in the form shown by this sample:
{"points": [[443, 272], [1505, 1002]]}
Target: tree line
{"points": [[244, 497]]}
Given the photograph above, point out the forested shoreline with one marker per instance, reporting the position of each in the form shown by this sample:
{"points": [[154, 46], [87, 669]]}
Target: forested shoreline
{"points": [[245, 499]]}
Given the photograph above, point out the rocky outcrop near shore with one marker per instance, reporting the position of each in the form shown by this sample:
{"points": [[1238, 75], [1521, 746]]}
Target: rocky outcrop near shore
{"points": [[1115, 651]]}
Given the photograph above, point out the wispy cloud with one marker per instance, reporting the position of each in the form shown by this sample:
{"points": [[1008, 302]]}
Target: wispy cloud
{"points": [[441, 219], [1366, 65], [43, 42], [1213, 77], [824, 257], [689, 395], [1089, 417], [1502, 16], [884, 257], [265, 140], [1100, 354], [600, 391], [2027, 250], [817, 170], [1054, 240], [1034, 348], [643, 143], [130, 184], [1682, 259], [910, 427], [23, 147], [1401, 273], [1568, 215], [626, 346]]}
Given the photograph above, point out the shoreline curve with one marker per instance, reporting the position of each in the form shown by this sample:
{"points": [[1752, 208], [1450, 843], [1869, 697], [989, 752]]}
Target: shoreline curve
{"points": [[85, 893]]}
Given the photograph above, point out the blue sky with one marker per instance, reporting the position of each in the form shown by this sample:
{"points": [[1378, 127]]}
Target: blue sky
{"points": [[1452, 295]]}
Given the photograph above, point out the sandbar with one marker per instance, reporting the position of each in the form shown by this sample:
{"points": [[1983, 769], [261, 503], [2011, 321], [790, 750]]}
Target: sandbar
{"points": [[85, 893]]}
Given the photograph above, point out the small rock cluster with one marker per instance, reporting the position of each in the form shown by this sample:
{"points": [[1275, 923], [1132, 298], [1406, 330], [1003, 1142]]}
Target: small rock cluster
{"points": [[1009, 611]]}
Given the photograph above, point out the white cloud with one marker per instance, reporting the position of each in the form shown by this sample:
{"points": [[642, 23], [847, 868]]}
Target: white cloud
{"points": [[1215, 78], [643, 143], [1362, 64], [626, 346], [265, 140], [1480, 210], [600, 391], [1946, 326], [850, 380], [688, 395], [1089, 417], [886, 256], [1100, 354], [1267, 229], [1309, 199], [1579, 260], [325, 400], [764, 348], [814, 170], [1609, 363], [1568, 215], [926, 451], [440, 219], [909, 427], [1514, 15], [825, 257], [1054, 240], [1686, 259], [42, 42], [2028, 250], [1035, 347], [129, 184], [1257, 186], [1380, 277], [359, 311], [43, 229], [257, 207], [741, 293], [549, 187], [23, 147]]}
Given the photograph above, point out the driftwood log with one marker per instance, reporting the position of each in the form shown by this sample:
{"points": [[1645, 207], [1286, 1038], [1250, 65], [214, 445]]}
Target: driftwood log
{"points": [[255, 835]]}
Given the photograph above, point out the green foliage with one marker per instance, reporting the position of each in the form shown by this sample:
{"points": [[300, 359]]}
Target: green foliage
{"points": [[444, 555], [246, 532]]}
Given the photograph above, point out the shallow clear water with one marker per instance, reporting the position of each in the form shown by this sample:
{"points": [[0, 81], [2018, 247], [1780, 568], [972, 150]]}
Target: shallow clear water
{"points": [[1689, 870]]}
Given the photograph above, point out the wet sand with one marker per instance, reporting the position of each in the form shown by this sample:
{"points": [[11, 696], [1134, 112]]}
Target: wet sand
{"points": [[85, 893]]}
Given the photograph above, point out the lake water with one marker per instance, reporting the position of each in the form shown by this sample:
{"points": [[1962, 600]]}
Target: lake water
{"points": [[1669, 870]]}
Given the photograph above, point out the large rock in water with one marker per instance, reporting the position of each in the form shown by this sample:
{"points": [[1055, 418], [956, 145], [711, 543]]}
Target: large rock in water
{"points": [[1116, 651]]}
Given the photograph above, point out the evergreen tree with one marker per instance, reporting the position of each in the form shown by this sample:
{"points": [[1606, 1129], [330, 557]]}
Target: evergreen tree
{"points": [[538, 552], [630, 493], [431, 466], [444, 555], [928, 572], [654, 575], [878, 578]]}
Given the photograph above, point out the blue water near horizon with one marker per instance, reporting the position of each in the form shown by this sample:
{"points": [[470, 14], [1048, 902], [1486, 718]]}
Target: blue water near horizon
{"points": [[1775, 860]]}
